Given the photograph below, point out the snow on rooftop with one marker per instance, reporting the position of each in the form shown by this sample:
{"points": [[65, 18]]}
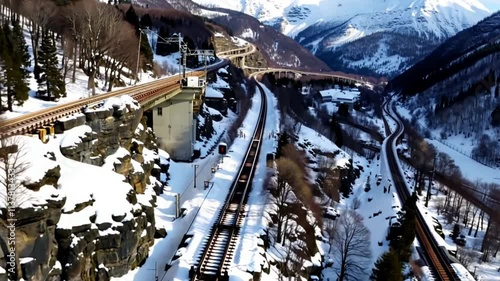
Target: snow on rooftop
{"points": [[220, 83], [341, 95], [25, 260]]}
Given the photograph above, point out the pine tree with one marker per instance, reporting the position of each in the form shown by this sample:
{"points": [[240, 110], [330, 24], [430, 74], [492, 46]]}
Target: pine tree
{"points": [[337, 131], [146, 21], [15, 75], [22, 47], [387, 267], [50, 82], [147, 52], [131, 17], [22, 62]]}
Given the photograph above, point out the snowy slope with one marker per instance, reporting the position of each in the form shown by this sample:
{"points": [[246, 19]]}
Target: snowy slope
{"points": [[323, 26], [364, 15]]}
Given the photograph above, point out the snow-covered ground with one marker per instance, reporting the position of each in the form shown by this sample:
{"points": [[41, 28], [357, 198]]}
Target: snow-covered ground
{"points": [[247, 256], [79, 182], [471, 169], [376, 207], [74, 91], [201, 207], [484, 271], [459, 149]]}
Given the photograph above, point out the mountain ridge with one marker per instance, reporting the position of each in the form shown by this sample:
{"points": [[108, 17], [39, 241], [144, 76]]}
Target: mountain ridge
{"points": [[328, 28]]}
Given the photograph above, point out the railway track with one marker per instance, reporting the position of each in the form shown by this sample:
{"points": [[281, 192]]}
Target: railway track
{"points": [[440, 264], [218, 251], [29, 122], [145, 92]]}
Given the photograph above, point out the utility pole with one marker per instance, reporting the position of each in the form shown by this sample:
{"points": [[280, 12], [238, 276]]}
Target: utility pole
{"points": [[180, 59], [138, 57], [428, 197], [195, 166], [185, 52]]}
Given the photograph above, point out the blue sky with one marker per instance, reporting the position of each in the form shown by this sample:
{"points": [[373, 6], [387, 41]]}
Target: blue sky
{"points": [[493, 5]]}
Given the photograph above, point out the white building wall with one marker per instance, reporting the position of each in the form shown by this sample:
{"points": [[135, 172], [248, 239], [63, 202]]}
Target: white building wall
{"points": [[175, 128]]}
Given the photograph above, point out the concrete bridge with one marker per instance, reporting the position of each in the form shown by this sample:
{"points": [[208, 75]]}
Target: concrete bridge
{"points": [[296, 73]]}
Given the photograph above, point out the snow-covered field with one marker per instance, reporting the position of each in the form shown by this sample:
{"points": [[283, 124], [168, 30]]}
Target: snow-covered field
{"points": [[376, 207], [471, 169], [459, 149]]}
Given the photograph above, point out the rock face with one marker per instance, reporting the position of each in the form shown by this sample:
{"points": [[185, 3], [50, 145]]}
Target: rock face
{"points": [[111, 128], [98, 252], [94, 251], [35, 237]]}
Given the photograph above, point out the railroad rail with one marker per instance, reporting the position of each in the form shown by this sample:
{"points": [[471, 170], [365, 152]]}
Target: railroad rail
{"points": [[439, 259], [144, 92], [31, 121], [219, 248]]}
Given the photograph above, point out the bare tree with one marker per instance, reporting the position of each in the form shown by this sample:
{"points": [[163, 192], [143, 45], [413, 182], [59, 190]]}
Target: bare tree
{"points": [[466, 256], [351, 246], [288, 174], [13, 165], [329, 177], [96, 23], [356, 203], [122, 53]]}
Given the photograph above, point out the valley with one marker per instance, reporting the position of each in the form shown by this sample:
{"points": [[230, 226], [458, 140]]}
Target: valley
{"points": [[249, 140]]}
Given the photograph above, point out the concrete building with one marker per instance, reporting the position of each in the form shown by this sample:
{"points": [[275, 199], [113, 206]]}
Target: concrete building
{"points": [[337, 96], [174, 119]]}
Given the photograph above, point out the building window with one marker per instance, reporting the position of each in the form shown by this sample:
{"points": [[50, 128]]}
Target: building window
{"points": [[160, 111]]}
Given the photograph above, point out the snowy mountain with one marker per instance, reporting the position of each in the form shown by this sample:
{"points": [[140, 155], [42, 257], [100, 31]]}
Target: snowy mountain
{"points": [[454, 93], [391, 29], [277, 48]]}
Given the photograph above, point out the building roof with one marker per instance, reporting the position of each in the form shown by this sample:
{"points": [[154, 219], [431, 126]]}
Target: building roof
{"points": [[341, 95]]}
